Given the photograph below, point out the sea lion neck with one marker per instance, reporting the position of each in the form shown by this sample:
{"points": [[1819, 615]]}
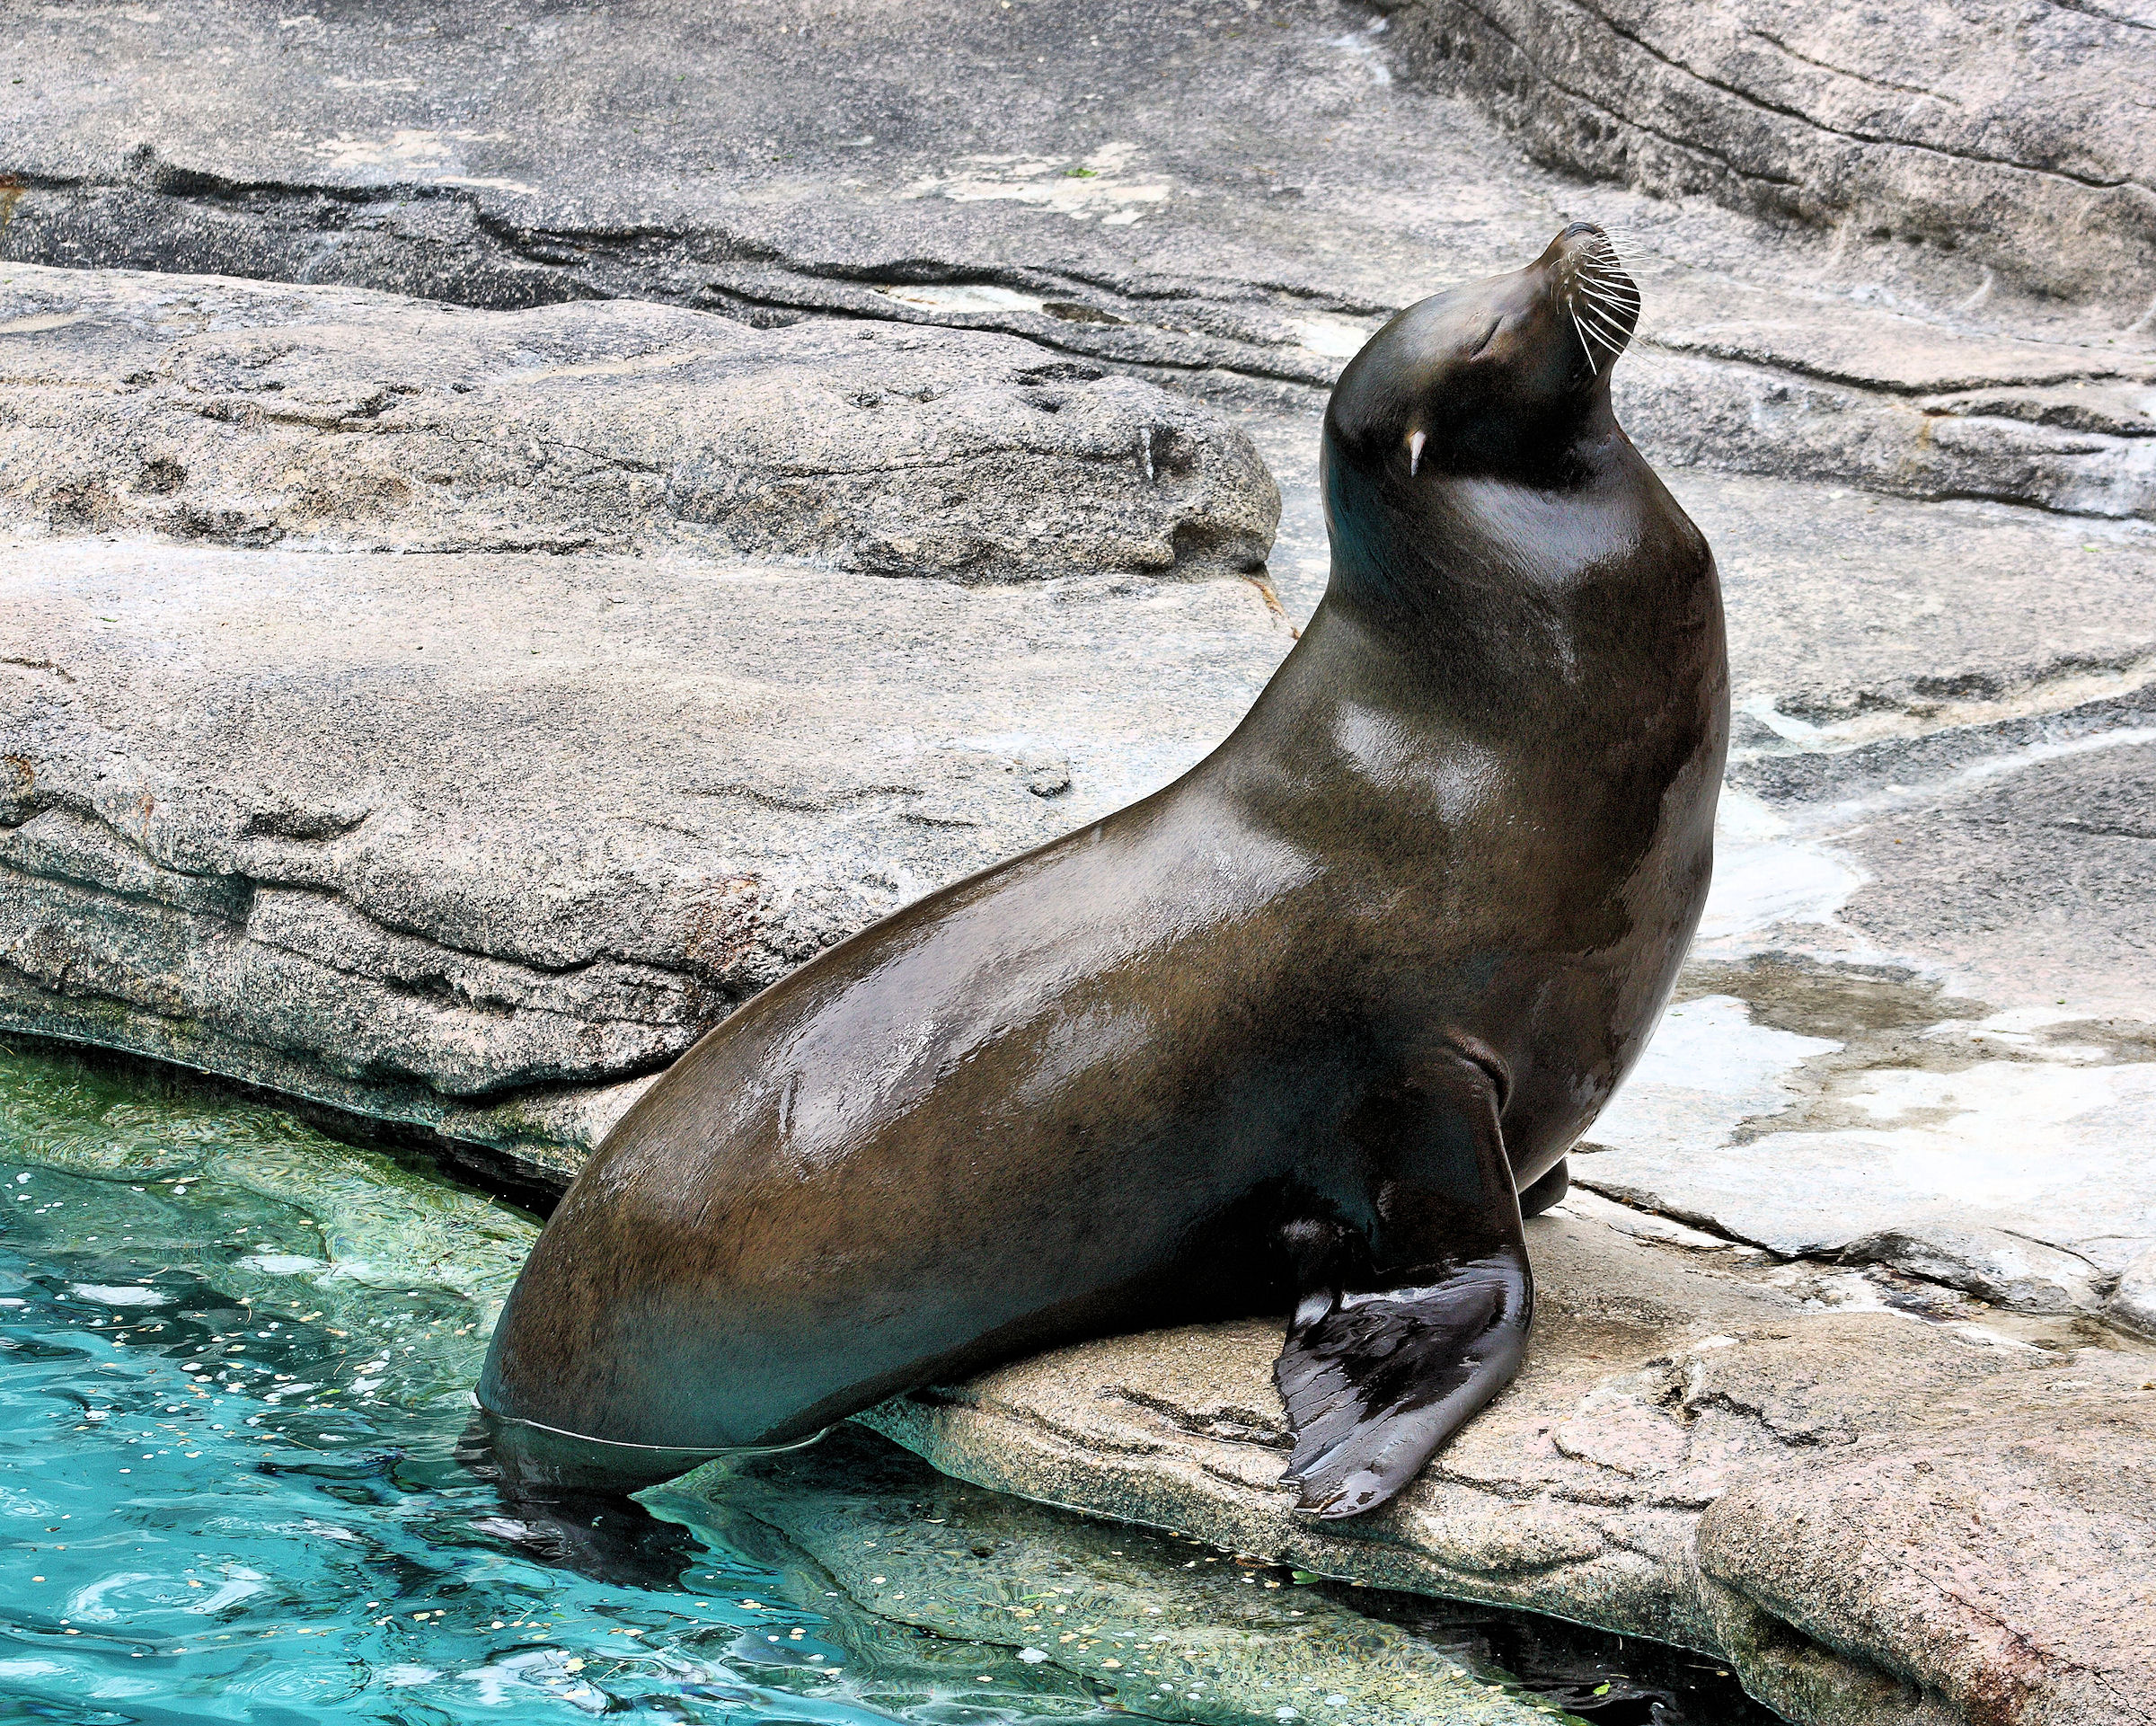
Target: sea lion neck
{"points": [[1410, 553]]}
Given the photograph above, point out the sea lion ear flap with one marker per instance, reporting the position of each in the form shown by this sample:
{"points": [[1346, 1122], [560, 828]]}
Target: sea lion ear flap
{"points": [[1376, 1378]]}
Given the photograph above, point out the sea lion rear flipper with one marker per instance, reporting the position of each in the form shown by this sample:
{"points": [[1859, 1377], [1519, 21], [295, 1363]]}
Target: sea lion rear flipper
{"points": [[1550, 1190], [1375, 1378]]}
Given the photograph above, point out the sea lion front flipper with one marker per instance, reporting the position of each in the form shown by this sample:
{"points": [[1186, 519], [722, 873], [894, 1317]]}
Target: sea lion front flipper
{"points": [[1376, 1378]]}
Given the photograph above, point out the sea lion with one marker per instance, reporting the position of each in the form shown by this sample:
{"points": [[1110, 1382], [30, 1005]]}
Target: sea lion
{"points": [[1292, 1034]]}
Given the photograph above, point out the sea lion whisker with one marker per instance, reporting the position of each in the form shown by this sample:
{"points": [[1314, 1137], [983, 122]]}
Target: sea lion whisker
{"points": [[1575, 296], [1604, 314], [1627, 304], [1599, 262], [1611, 335], [1587, 309], [1586, 347]]}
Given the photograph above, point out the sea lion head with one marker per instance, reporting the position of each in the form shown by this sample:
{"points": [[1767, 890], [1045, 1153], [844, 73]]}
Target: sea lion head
{"points": [[1505, 378]]}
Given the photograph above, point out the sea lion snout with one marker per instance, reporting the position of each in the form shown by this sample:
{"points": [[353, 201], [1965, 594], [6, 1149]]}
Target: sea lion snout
{"points": [[1577, 287], [1500, 376], [1589, 284]]}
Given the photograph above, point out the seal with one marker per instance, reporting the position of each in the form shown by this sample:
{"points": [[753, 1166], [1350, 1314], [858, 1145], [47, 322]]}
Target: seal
{"points": [[1295, 1035]]}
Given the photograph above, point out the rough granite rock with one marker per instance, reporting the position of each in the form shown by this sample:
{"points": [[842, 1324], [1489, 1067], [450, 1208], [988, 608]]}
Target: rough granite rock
{"points": [[477, 835], [1229, 200], [1860, 619], [2018, 136], [246, 414], [1989, 1563], [1975, 1547], [331, 891], [1974, 1155], [2134, 1301], [1933, 438], [1977, 866], [454, 837]]}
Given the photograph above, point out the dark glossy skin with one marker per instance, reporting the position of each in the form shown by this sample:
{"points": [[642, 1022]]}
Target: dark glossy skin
{"points": [[1294, 1030]]}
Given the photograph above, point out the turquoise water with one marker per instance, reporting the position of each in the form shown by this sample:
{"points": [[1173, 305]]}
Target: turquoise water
{"points": [[235, 1367]]}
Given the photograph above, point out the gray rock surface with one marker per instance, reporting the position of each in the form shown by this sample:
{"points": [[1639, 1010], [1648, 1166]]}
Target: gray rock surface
{"points": [[1860, 619], [478, 834], [1982, 1564], [1877, 1513], [1226, 197], [452, 838], [2134, 1301], [2033, 886], [2013, 135], [250, 415]]}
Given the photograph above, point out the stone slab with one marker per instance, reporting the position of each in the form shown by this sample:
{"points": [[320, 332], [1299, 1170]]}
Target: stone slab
{"points": [[1926, 1560], [394, 713], [246, 414], [2018, 137], [456, 837], [1855, 618], [1681, 1412], [1853, 615], [1919, 1030], [1231, 201], [2030, 879]]}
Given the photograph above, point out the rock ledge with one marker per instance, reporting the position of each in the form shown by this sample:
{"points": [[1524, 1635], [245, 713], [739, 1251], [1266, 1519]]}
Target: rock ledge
{"points": [[1875, 1514]]}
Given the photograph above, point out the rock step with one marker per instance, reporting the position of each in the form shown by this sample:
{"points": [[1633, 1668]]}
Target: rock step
{"points": [[478, 834], [457, 837], [1701, 1449], [1245, 226], [244, 414]]}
